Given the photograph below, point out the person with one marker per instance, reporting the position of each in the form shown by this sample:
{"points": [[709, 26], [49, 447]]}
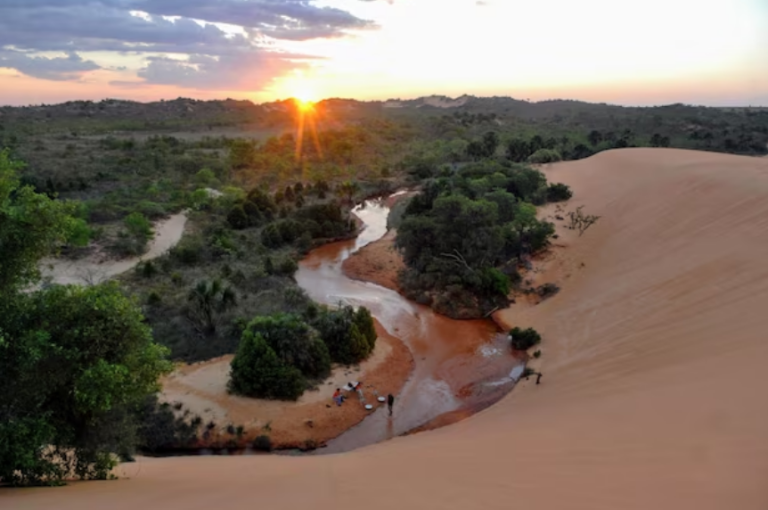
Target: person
{"points": [[337, 397], [359, 389], [390, 402], [538, 378]]}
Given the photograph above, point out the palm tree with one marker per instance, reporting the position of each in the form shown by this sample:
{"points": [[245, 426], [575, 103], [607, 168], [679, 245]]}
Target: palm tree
{"points": [[207, 301], [347, 189]]}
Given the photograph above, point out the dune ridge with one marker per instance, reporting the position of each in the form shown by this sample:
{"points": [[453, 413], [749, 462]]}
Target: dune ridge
{"points": [[654, 383]]}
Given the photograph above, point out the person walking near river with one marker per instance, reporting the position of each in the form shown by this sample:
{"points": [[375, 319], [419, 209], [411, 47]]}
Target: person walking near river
{"points": [[390, 402]]}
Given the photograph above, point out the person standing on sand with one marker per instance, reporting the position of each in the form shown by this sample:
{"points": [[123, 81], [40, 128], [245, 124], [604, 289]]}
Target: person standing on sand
{"points": [[390, 402], [538, 377], [337, 397]]}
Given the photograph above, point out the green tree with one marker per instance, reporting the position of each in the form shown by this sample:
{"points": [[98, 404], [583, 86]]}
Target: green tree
{"points": [[595, 137], [543, 156], [490, 144], [206, 178], [75, 363], [347, 190], [258, 372], [139, 230], [294, 342], [207, 301], [31, 226], [518, 150]]}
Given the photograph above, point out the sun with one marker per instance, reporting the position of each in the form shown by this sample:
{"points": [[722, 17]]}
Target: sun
{"points": [[302, 91]]}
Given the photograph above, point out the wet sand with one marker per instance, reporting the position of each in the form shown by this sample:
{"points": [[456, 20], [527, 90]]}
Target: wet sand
{"points": [[654, 383], [378, 262]]}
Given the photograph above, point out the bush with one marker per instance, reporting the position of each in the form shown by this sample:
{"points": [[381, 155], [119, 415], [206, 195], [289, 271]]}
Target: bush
{"points": [[558, 192], [294, 343], [258, 372], [544, 156], [288, 266], [349, 335], [524, 339], [262, 444]]}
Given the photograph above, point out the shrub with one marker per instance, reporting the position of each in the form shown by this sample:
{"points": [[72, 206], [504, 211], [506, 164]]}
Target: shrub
{"points": [[543, 156], [258, 372], [524, 339], [581, 222], [558, 192], [288, 266], [262, 444], [537, 354], [349, 335], [294, 343]]}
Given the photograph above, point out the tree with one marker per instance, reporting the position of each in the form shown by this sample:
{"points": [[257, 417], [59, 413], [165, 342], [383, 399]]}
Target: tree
{"points": [[543, 156], [139, 231], [595, 137], [31, 226], [350, 336], [257, 371], [207, 301], [537, 142], [490, 144], [241, 153], [237, 218], [524, 339], [75, 363], [294, 342], [475, 150], [347, 190], [518, 150]]}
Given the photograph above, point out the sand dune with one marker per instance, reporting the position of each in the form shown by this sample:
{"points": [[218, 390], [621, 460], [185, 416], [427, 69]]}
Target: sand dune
{"points": [[654, 388]]}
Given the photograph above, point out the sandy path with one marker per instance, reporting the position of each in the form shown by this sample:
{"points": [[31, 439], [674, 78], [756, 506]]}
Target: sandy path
{"points": [[654, 394], [96, 269], [202, 389]]}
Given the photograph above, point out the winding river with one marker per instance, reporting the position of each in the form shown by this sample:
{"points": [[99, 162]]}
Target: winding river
{"points": [[460, 367]]}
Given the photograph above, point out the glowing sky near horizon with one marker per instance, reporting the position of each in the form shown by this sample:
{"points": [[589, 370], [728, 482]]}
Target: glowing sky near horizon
{"points": [[652, 52]]}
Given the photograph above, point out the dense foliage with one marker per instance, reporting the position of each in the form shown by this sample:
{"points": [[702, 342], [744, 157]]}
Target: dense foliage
{"points": [[280, 355], [350, 335], [75, 362], [466, 225]]}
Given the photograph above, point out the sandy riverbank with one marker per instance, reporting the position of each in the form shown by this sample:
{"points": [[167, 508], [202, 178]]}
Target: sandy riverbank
{"points": [[378, 262], [201, 389]]}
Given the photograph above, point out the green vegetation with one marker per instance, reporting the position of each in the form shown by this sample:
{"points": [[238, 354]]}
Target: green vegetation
{"points": [[459, 236], [524, 339], [280, 356], [75, 362]]}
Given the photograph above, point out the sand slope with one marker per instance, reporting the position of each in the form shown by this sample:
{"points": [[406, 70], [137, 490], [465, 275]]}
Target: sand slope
{"points": [[654, 394]]}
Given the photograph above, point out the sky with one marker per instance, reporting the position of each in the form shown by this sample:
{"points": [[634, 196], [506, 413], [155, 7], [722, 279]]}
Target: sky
{"points": [[712, 52]]}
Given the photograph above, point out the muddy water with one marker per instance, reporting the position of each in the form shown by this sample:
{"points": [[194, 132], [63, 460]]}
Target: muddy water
{"points": [[459, 365]]}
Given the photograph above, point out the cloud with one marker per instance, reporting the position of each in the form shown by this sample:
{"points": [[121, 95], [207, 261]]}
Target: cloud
{"points": [[196, 29], [245, 72], [71, 67]]}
